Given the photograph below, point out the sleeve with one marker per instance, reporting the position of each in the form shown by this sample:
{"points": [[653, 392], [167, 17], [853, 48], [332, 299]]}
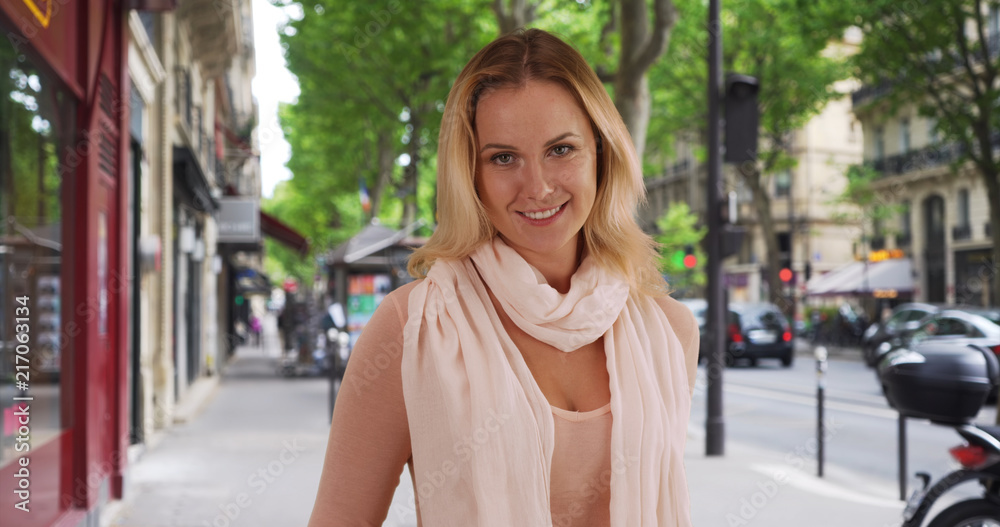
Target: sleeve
{"points": [[369, 441], [685, 326]]}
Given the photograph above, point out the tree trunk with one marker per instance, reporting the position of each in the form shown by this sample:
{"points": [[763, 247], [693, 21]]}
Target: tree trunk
{"points": [[410, 172], [513, 14], [641, 47], [633, 103], [383, 176], [993, 272], [762, 204]]}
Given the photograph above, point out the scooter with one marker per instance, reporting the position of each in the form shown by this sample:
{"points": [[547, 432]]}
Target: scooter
{"points": [[948, 384], [980, 460]]}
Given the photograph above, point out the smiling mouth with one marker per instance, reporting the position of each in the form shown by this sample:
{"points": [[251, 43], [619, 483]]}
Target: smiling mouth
{"points": [[541, 215]]}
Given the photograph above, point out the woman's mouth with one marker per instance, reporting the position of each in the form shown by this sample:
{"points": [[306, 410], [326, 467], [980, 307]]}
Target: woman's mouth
{"points": [[543, 214]]}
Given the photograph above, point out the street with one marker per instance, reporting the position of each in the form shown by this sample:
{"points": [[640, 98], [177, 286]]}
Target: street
{"points": [[254, 455], [775, 408]]}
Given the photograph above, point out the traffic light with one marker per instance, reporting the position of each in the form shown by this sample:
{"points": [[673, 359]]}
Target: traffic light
{"points": [[690, 260], [238, 300], [785, 274], [742, 115]]}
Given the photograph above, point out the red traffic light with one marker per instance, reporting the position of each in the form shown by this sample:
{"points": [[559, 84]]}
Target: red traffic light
{"points": [[785, 275], [690, 261]]}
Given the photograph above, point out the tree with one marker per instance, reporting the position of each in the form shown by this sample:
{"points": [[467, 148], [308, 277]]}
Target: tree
{"points": [[865, 205], [678, 234], [373, 82], [943, 57], [796, 74]]}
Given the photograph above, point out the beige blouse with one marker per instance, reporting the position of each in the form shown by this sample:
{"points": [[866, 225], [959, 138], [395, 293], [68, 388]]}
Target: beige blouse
{"points": [[370, 440]]}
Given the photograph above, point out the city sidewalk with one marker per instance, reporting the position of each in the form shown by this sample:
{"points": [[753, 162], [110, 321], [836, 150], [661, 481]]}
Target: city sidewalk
{"points": [[253, 458]]}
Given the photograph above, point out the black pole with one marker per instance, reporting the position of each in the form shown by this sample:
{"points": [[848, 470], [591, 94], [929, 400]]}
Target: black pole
{"points": [[715, 324], [820, 353], [902, 457]]}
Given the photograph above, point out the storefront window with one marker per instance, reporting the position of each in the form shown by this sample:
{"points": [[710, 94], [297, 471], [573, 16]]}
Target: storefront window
{"points": [[36, 118]]}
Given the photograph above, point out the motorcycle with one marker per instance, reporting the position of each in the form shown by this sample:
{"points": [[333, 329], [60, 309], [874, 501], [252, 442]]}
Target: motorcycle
{"points": [[948, 384], [980, 460]]}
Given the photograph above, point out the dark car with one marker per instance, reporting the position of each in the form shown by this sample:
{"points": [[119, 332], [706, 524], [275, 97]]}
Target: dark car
{"points": [[758, 331], [904, 318]]}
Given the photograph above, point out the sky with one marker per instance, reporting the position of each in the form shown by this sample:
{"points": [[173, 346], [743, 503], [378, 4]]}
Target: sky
{"points": [[272, 85]]}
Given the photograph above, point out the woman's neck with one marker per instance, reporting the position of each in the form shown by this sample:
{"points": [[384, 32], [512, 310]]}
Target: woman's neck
{"points": [[558, 268]]}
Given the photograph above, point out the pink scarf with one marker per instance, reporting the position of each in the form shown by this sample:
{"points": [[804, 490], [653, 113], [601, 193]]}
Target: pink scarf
{"points": [[481, 429]]}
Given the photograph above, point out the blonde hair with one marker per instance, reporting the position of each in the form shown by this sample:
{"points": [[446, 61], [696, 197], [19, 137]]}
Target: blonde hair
{"points": [[611, 233]]}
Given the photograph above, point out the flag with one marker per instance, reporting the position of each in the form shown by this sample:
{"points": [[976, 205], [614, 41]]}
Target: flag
{"points": [[366, 202]]}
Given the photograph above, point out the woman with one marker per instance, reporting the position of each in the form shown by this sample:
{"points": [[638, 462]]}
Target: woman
{"points": [[538, 374]]}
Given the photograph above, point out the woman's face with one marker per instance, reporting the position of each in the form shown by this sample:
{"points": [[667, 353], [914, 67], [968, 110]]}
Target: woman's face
{"points": [[537, 168]]}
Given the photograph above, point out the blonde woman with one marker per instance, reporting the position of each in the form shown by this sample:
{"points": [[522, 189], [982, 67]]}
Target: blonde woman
{"points": [[537, 373]]}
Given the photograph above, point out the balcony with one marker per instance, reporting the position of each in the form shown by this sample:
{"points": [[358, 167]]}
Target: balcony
{"points": [[924, 158], [870, 93], [961, 232]]}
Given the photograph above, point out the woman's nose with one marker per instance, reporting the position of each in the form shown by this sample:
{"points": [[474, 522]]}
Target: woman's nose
{"points": [[537, 181]]}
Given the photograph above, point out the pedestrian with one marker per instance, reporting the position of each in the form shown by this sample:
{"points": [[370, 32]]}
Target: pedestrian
{"points": [[256, 327], [538, 373]]}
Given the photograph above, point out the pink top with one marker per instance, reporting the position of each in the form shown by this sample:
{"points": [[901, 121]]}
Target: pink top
{"points": [[581, 468], [370, 439]]}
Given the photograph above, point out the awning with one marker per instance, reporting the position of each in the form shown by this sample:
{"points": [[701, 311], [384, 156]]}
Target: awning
{"points": [[191, 181], [368, 242], [271, 226], [861, 278]]}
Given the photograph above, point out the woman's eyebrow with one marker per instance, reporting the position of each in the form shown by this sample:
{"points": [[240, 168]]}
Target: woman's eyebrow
{"points": [[551, 142]]}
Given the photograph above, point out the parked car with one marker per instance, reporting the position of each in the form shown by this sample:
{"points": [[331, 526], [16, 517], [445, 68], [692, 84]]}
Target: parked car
{"points": [[904, 318], [758, 331], [958, 330]]}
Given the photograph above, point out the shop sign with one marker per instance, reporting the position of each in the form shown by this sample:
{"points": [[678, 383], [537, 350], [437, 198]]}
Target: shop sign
{"points": [[239, 220], [42, 9]]}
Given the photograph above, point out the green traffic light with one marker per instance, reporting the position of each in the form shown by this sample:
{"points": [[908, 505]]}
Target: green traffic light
{"points": [[239, 300], [678, 258]]}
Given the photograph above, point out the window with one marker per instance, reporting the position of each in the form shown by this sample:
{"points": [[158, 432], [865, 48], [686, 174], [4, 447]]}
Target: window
{"points": [[993, 27], [933, 134], [37, 127], [903, 238], [904, 136], [879, 143], [782, 184], [963, 207]]}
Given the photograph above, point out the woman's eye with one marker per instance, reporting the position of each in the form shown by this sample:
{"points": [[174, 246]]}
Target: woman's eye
{"points": [[562, 150], [502, 159]]}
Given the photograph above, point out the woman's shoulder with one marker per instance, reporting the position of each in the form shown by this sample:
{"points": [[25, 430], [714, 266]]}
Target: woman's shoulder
{"points": [[400, 296], [681, 318]]}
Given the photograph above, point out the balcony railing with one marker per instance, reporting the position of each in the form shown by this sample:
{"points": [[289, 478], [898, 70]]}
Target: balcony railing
{"points": [[872, 92], [927, 157], [961, 232]]}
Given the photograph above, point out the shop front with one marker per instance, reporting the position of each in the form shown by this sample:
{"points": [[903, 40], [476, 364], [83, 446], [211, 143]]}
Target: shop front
{"points": [[63, 282]]}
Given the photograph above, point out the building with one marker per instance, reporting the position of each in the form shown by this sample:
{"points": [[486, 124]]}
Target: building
{"points": [[811, 236], [943, 227], [130, 234]]}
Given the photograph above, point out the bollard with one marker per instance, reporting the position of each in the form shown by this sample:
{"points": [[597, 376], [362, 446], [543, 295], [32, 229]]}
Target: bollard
{"points": [[821, 355]]}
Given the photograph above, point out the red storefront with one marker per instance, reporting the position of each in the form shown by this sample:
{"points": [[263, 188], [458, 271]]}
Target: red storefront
{"points": [[63, 278]]}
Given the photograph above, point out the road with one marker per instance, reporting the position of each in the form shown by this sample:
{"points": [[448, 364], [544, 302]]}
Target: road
{"points": [[774, 408]]}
